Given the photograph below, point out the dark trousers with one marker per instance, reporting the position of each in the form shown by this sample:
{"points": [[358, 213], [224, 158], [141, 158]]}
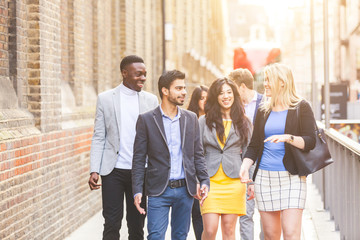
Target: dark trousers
{"points": [[197, 219], [114, 186]]}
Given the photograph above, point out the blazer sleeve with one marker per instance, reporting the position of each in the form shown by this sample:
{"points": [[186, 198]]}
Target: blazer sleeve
{"points": [[139, 156], [245, 145], [199, 159], [98, 139], [307, 125], [255, 144], [155, 102], [202, 124]]}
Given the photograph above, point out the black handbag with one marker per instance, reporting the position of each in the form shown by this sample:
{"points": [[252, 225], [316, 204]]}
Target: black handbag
{"points": [[315, 159]]}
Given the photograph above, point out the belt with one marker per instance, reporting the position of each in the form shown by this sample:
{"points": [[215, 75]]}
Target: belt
{"points": [[177, 183]]}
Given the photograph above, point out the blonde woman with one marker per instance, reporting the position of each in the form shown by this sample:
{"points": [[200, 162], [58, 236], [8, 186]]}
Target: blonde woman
{"points": [[279, 192]]}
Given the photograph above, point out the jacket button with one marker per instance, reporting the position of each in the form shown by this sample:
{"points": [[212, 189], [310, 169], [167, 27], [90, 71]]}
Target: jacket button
{"points": [[117, 152], [221, 151]]}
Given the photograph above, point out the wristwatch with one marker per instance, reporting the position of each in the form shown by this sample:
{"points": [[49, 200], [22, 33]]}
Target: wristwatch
{"points": [[291, 139]]}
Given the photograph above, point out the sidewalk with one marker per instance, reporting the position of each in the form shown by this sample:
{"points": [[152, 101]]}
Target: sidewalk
{"points": [[316, 224]]}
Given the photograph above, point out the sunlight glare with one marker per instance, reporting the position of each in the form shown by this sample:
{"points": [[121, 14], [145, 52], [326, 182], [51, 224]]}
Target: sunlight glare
{"points": [[276, 5]]}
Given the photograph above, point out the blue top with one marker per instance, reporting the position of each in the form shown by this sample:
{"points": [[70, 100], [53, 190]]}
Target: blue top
{"points": [[273, 154], [173, 139]]}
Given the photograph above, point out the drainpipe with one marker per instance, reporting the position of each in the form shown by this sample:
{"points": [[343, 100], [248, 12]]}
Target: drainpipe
{"points": [[313, 76], [163, 36], [326, 66], [326, 84]]}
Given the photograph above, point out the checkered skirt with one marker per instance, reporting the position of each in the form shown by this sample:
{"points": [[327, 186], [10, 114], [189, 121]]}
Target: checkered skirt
{"points": [[279, 190]]}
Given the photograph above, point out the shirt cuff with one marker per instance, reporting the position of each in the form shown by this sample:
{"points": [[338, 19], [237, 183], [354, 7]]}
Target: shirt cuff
{"points": [[137, 194]]}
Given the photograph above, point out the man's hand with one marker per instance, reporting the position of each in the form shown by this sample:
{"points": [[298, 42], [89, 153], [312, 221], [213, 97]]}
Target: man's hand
{"points": [[137, 202], [203, 193], [198, 192], [251, 192], [94, 178]]}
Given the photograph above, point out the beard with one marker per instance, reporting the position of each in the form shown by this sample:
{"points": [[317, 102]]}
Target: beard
{"points": [[178, 101]]}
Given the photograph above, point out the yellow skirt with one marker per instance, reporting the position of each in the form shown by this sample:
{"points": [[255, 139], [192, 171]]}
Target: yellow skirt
{"points": [[226, 196]]}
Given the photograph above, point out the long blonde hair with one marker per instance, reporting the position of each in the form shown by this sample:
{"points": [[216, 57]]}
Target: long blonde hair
{"points": [[282, 85]]}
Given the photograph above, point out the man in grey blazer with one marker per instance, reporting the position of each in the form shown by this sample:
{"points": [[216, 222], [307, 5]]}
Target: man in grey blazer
{"points": [[112, 147], [168, 139]]}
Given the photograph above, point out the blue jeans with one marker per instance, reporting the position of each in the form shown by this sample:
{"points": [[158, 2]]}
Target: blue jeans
{"points": [[158, 214]]}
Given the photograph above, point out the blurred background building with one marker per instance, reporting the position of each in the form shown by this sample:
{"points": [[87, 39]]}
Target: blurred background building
{"points": [[57, 55]]}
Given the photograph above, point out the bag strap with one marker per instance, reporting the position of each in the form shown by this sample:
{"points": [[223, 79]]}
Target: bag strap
{"points": [[299, 118]]}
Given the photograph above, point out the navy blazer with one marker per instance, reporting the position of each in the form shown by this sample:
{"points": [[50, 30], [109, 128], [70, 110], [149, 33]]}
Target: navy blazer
{"points": [[150, 143], [256, 146], [258, 101]]}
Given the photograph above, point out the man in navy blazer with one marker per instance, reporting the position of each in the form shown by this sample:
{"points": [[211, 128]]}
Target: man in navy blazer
{"points": [[251, 100], [168, 141]]}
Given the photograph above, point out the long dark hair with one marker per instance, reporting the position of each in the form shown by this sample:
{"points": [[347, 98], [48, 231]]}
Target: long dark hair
{"points": [[195, 98], [213, 113]]}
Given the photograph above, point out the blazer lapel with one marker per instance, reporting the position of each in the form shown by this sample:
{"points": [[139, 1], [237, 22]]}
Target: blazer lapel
{"points": [[182, 128], [142, 102], [263, 122], [214, 135], [159, 123], [232, 130], [116, 101], [290, 120]]}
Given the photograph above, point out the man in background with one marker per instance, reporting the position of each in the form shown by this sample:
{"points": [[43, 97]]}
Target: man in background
{"points": [[251, 100]]}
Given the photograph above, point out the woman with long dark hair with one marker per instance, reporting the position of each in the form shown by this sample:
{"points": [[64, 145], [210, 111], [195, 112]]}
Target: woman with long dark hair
{"points": [[197, 105], [225, 132], [198, 100]]}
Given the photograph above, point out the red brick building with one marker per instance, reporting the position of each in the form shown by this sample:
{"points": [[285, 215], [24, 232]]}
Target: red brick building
{"points": [[55, 57]]}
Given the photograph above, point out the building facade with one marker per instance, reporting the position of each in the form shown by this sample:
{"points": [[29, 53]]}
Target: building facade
{"points": [[56, 56], [347, 47]]}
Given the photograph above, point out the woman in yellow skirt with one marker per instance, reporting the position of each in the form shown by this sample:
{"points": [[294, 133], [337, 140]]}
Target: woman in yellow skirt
{"points": [[225, 132]]}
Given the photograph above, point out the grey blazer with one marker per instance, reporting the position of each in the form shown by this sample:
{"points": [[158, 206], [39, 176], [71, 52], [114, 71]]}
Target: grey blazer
{"points": [[230, 156], [105, 143]]}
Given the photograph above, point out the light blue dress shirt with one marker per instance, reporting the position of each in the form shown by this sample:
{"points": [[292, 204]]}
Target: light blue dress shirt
{"points": [[173, 139]]}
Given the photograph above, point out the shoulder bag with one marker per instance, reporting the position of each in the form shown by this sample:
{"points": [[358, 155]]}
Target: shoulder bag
{"points": [[315, 159]]}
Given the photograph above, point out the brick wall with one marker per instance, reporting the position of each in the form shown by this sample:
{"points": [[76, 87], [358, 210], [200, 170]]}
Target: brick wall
{"points": [[43, 185], [60, 55], [199, 43], [50, 64], [4, 45]]}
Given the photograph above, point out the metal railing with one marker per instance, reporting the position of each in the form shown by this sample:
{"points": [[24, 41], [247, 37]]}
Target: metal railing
{"points": [[339, 184]]}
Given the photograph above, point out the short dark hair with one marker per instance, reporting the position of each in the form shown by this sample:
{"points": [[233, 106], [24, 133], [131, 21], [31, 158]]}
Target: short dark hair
{"points": [[167, 78], [129, 60]]}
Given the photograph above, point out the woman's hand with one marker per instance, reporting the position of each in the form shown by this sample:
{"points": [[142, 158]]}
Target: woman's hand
{"points": [[204, 193], [296, 141], [279, 138], [244, 170]]}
